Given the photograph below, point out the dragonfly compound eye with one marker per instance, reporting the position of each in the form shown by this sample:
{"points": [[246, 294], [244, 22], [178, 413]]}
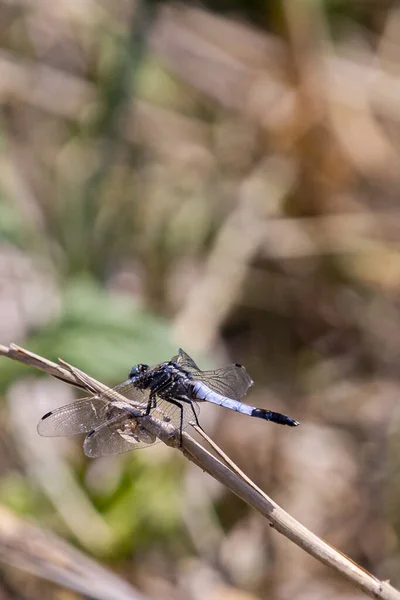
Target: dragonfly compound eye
{"points": [[138, 370]]}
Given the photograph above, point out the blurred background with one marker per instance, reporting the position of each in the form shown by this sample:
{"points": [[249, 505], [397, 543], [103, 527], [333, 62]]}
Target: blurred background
{"points": [[224, 177]]}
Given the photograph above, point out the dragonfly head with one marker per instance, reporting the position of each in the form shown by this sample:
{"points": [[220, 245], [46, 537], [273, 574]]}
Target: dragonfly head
{"points": [[138, 370]]}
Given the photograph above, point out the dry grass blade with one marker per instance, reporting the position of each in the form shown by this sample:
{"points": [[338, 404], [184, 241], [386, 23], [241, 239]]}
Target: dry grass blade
{"points": [[235, 481], [42, 553], [38, 362]]}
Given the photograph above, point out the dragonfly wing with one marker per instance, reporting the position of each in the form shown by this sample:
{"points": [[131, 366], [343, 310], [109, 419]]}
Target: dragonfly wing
{"points": [[78, 417], [121, 434], [167, 412], [136, 397], [185, 361], [232, 381], [82, 416]]}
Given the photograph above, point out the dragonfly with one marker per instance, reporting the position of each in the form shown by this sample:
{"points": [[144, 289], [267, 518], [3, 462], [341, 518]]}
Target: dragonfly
{"points": [[170, 392]]}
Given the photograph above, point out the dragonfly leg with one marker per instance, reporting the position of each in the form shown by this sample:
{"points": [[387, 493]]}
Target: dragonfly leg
{"points": [[179, 405], [195, 415], [185, 399], [151, 403], [159, 386]]}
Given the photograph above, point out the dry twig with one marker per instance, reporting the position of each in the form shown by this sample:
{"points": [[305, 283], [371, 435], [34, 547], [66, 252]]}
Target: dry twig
{"points": [[42, 553]]}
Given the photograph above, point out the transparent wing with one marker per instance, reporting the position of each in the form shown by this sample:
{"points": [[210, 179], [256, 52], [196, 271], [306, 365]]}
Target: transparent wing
{"points": [[79, 417], [232, 381], [117, 436], [88, 413], [167, 412], [185, 360], [122, 434]]}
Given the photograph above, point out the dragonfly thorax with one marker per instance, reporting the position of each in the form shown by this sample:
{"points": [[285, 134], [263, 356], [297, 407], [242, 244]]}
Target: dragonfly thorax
{"points": [[166, 380]]}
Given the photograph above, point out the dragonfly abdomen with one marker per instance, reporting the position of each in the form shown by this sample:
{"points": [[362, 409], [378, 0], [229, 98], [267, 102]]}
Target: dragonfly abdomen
{"points": [[203, 392]]}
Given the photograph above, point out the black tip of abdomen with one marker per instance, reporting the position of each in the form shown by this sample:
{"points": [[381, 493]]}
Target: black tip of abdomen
{"points": [[46, 415], [274, 417]]}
